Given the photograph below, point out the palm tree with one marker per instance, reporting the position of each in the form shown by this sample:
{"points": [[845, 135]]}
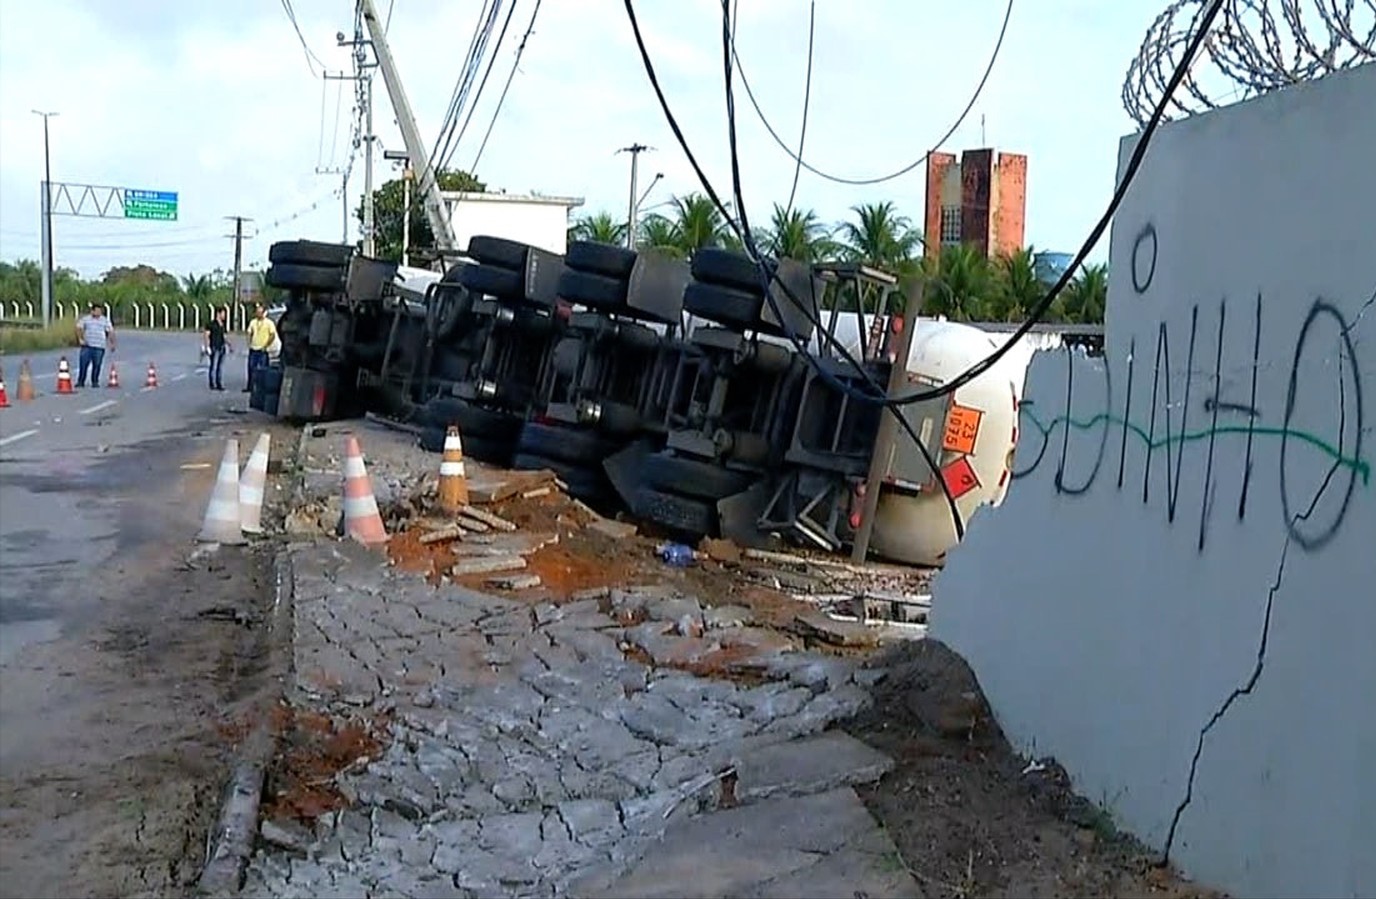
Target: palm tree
{"points": [[1016, 290], [1085, 299], [963, 282], [657, 232], [197, 287], [600, 227], [698, 223], [881, 238], [798, 234]]}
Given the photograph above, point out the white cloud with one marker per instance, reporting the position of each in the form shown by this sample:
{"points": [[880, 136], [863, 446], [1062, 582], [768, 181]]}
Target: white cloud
{"points": [[218, 103]]}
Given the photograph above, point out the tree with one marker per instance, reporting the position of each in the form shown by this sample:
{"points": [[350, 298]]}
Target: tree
{"points": [[798, 234], [1016, 290], [1085, 299], [600, 227], [881, 238], [388, 202]]}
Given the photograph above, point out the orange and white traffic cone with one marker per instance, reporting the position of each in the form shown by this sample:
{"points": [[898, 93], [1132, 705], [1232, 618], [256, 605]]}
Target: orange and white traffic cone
{"points": [[221, 523], [113, 383], [26, 392], [453, 489], [64, 376], [152, 380], [362, 521], [252, 485], [4, 394]]}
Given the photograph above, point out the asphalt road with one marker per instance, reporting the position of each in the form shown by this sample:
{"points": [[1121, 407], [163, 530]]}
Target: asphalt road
{"points": [[62, 484]]}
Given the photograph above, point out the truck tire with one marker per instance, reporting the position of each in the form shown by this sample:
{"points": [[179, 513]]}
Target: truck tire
{"points": [[310, 252], [443, 411], [481, 448], [606, 259], [729, 269], [693, 478], [576, 446], [587, 484], [727, 306], [499, 252], [594, 291], [677, 513], [294, 276], [493, 281]]}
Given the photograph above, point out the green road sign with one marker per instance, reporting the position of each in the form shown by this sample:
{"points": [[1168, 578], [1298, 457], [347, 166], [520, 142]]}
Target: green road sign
{"points": [[155, 205]]}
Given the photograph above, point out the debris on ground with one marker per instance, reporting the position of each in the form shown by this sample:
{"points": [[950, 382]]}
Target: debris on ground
{"points": [[316, 749]]}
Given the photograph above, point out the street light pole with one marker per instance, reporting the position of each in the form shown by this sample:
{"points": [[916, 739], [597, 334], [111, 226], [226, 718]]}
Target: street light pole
{"points": [[635, 150], [46, 223]]}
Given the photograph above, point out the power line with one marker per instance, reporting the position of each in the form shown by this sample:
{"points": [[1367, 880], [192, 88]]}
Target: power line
{"points": [[506, 87], [311, 59], [878, 179], [491, 61], [807, 102]]}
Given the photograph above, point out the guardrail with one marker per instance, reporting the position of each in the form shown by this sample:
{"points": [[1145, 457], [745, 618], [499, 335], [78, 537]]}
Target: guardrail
{"points": [[179, 316]]}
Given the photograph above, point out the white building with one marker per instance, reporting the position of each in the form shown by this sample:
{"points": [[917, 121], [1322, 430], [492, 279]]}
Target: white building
{"points": [[536, 220]]}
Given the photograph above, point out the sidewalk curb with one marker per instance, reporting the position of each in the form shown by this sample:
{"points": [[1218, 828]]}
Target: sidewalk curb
{"points": [[237, 825]]}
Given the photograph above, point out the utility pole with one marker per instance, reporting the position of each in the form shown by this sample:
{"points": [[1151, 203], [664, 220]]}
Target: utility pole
{"points": [[238, 221], [633, 205], [369, 229], [46, 224]]}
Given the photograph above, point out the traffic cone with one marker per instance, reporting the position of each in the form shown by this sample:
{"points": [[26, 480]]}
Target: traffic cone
{"points": [[453, 488], [64, 376], [252, 484], [113, 383], [221, 523], [25, 392], [362, 521], [4, 395], [152, 380]]}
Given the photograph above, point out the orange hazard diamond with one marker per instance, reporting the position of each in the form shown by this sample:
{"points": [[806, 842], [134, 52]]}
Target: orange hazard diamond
{"points": [[962, 428], [960, 477]]}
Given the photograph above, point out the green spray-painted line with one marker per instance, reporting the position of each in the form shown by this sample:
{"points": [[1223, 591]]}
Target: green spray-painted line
{"points": [[1360, 466]]}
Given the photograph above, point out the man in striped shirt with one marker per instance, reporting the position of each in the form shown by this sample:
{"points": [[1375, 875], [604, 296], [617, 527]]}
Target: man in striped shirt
{"points": [[96, 334]]}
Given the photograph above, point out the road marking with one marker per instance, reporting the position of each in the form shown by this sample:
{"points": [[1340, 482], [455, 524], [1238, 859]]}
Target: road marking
{"points": [[179, 377], [14, 438], [98, 406]]}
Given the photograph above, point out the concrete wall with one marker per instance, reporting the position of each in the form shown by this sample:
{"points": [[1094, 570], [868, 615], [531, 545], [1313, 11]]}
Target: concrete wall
{"points": [[1177, 599]]}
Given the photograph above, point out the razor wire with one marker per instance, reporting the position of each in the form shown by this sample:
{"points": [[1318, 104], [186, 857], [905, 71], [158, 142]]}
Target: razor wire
{"points": [[1256, 46]]}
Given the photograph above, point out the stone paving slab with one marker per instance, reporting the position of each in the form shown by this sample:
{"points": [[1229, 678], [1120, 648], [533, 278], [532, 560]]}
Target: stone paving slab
{"points": [[528, 749], [826, 844]]}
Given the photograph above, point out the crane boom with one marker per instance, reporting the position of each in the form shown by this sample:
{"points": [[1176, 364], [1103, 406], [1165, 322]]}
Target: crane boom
{"points": [[428, 188]]}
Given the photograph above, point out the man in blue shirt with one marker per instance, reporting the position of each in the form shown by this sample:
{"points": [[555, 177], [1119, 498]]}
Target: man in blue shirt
{"points": [[96, 334]]}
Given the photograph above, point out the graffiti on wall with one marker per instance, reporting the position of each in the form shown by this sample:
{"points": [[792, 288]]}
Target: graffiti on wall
{"points": [[1211, 408]]}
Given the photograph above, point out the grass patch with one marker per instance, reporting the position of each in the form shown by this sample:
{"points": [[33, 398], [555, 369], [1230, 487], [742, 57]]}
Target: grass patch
{"points": [[35, 340]]}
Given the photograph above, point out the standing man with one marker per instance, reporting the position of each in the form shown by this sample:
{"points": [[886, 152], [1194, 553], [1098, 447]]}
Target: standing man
{"points": [[261, 335], [216, 344], [96, 334]]}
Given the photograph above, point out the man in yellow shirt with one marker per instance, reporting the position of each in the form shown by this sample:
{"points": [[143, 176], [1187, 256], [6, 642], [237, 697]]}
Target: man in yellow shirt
{"points": [[262, 333]]}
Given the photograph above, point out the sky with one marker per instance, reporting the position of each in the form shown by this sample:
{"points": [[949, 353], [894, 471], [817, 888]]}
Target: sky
{"points": [[221, 103]]}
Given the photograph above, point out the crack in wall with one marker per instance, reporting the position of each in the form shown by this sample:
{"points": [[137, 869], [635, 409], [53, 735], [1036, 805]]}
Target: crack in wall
{"points": [[1250, 685]]}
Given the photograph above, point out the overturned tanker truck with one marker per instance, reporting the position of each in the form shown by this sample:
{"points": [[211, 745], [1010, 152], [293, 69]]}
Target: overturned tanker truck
{"points": [[715, 396]]}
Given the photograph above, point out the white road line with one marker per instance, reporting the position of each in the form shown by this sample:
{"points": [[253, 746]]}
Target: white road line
{"points": [[179, 377], [98, 406], [146, 389], [15, 438]]}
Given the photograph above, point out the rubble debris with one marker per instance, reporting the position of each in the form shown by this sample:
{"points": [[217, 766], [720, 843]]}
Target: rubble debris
{"points": [[495, 522], [720, 550], [452, 532], [617, 530], [487, 565], [494, 486], [469, 523], [514, 581], [818, 624], [537, 492]]}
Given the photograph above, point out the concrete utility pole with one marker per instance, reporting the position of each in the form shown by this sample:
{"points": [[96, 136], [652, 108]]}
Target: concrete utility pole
{"points": [[46, 224], [369, 223], [238, 221], [633, 203], [406, 175]]}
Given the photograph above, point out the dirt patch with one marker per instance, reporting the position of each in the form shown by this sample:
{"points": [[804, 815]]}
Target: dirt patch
{"points": [[407, 553], [574, 564], [315, 748], [969, 816]]}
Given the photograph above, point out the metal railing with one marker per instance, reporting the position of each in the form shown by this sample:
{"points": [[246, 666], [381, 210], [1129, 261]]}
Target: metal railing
{"points": [[176, 316]]}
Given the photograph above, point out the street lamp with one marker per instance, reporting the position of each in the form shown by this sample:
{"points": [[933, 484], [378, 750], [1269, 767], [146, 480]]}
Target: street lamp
{"points": [[46, 223], [405, 160]]}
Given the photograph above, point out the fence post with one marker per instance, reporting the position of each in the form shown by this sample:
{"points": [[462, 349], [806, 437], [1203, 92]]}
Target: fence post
{"points": [[28, 309], [181, 316], [166, 316]]}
